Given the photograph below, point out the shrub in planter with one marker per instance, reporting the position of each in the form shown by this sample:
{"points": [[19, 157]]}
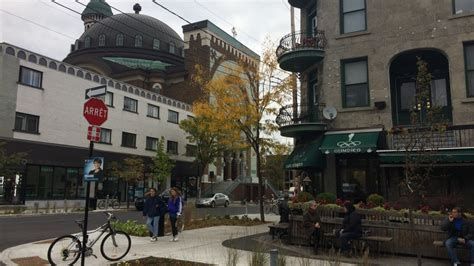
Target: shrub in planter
{"points": [[387, 206], [304, 196], [375, 199], [326, 197]]}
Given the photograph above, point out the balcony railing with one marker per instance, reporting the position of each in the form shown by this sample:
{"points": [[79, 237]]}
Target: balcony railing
{"points": [[450, 137], [303, 114], [300, 41]]}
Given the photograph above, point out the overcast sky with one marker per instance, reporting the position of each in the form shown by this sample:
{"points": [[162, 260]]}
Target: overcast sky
{"points": [[54, 28]]}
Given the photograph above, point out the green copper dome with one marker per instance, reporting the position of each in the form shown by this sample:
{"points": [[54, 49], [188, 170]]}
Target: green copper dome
{"points": [[97, 7]]}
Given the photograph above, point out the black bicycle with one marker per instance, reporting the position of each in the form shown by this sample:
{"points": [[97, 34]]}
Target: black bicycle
{"points": [[66, 250]]}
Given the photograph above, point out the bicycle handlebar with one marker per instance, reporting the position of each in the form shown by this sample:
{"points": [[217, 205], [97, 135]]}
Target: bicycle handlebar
{"points": [[110, 216]]}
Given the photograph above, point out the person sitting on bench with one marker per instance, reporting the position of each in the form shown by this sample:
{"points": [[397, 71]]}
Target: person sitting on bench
{"points": [[284, 210], [351, 227], [460, 233], [312, 222]]}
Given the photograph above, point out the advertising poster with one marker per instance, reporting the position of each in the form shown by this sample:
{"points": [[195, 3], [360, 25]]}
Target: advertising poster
{"points": [[93, 169]]}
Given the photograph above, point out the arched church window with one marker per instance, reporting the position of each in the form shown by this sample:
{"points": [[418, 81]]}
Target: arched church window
{"points": [[119, 39], [138, 41], [102, 40], [87, 42]]}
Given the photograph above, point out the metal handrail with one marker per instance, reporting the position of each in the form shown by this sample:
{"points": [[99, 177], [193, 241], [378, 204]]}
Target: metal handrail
{"points": [[290, 114], [302, 40]]}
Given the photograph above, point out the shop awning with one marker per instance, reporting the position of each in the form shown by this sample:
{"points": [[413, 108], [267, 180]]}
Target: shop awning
{"points": [[306, 156], [453, 156], [355, 141]]}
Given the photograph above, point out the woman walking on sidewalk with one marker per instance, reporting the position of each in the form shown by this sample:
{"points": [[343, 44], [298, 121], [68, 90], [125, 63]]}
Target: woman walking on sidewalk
{"points": [[175, 207], [152, 210]]}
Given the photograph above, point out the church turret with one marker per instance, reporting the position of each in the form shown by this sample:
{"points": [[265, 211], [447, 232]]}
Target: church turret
{"points": [[95, 10]]}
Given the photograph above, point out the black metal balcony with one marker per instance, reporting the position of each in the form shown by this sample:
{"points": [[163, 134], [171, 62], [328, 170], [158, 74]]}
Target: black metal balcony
{"points": [[303, 119], [451, 137], [300, 50], [298, 3]]}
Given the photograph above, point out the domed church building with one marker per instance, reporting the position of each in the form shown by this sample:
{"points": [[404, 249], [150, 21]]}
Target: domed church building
{"points": [[131, 47]]}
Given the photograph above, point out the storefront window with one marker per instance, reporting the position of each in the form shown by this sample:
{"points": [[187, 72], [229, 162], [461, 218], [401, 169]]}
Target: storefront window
{"points": [[72, 176], [48, 182], [59, 182], [32, 182], [357, 177], [45, 182]]}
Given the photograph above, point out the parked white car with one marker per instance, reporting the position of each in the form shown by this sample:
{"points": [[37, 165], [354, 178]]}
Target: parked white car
{"points": [[213, 200]]}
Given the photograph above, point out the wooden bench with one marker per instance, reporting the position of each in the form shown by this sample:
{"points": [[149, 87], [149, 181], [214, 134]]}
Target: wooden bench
{"points": [[365, 240], [440, 243], [279, 229]]}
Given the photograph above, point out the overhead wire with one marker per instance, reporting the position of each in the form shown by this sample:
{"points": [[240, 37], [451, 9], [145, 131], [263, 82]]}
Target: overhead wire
{"points": [[37, 24], [226, 21]]}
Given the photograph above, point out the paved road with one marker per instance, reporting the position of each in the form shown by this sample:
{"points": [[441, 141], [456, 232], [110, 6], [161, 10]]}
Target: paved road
{"points": [[16, 230]]}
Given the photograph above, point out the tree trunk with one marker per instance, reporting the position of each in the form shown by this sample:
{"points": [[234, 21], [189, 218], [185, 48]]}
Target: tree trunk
{"points": [[260, 184]]}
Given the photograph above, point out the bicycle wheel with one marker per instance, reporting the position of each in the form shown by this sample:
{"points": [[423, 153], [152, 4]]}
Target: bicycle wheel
{"points": [[115, 245], [101, 204], [65, 250], [180, 224], [115, 204]]}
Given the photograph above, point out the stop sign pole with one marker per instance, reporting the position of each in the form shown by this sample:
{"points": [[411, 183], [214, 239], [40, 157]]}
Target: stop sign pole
{"points": [[96, 113]]}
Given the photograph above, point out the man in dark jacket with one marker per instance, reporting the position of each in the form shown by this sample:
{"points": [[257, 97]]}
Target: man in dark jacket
{"points": [[312, 223], [351, 227], [151, 210], [284, 210], [460, 233]]}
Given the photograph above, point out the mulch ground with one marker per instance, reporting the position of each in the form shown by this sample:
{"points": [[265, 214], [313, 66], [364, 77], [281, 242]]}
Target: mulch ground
{"points": [[30, 261], [160, 261]]}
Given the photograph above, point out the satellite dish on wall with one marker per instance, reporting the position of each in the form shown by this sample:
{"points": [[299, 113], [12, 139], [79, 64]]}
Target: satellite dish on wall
{"points": [[329, 112]]}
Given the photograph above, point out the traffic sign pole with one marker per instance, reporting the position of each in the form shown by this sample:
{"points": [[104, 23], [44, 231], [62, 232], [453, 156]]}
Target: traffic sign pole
{"points": [[86, 212], [96, 113]]}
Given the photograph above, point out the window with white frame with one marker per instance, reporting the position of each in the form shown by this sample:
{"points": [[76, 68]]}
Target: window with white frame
{"points": [[172, 147], [26, 123], [108, 98], [105, 135], [30, 77], [130, 104], [173, 117], [151, 143], [153, 111]]}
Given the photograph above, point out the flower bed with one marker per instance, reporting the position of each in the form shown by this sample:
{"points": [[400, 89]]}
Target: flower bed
{"points": [[139, 229]]}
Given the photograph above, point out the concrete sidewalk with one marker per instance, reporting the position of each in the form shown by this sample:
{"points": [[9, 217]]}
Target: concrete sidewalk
{"points": [[200, 245]]}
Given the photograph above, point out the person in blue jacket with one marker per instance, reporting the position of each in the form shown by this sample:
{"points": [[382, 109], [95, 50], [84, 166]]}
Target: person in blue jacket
{"points": [[175, 207], [151, 210]]}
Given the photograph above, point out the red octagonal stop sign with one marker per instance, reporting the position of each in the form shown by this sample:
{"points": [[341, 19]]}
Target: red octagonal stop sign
{"points": [[95, 111]]}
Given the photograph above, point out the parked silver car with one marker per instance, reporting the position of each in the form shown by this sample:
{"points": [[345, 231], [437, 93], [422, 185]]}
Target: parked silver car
{"points": [[213, 200]]}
